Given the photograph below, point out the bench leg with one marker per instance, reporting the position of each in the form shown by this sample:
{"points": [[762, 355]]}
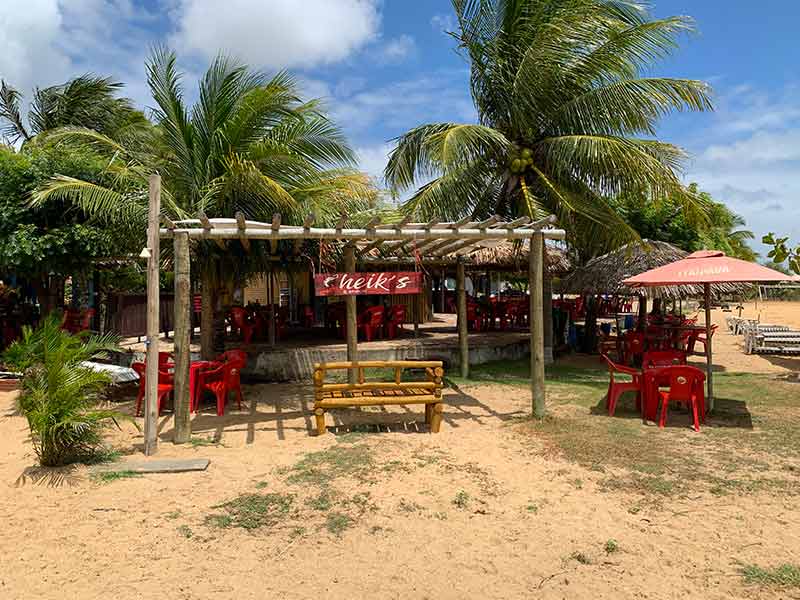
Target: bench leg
{"points": [[436, 418], [320, 417], [428, 413]]}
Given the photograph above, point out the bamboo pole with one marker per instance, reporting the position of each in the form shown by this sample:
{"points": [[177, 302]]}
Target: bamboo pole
{"points": [[463, 341], [352, 313], [183, 328], [709, 363], [153, 299], [537, 325]]}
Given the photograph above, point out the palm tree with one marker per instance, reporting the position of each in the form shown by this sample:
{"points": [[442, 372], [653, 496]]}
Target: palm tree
{"points": [[85, 101], [566, 118], [248, 145]]}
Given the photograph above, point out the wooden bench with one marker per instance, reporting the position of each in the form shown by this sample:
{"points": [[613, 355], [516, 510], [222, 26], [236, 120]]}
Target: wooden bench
{"points": [[380, 393]]}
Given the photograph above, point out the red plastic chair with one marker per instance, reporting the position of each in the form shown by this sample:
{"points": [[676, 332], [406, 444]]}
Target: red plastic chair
{"points": [[700, 337], [617, 388], [474, 321], [633, 346], [221, 381], [397, 316], [371, 322], [663, 358], [241, 322], [308, 316], [235, 354], [165, 386], [686, 385]]}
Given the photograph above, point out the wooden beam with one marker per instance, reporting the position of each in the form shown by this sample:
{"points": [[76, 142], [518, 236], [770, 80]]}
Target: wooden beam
{"points": [[241, 224], [169, 223], [208, 228], [499, 232], [183, 329], [309, 220], [537, 325], [463, 341], [352, 314], [153, 300], [460, 223], [373, 223]]}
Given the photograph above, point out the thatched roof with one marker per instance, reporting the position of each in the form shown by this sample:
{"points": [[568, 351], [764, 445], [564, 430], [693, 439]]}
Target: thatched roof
{"points": [[605, 274], [510, 256]]}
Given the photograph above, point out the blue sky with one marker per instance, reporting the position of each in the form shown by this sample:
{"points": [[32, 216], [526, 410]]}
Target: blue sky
{"points": [[384, 66]]}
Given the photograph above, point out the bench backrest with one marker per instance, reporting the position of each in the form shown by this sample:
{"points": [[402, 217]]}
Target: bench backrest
{"points": [[434, 374]]}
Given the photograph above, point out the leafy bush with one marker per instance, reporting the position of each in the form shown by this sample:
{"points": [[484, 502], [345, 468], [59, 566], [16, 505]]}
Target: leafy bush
{"points": [[60, 393]]}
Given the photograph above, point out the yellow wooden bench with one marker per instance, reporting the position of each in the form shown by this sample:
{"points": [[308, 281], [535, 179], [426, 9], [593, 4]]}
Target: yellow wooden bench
{"points": [[379, 393]]}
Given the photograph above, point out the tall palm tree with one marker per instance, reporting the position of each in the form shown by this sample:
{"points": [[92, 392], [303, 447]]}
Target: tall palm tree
{"points": [[85, 101], [249, 144], [566, 117]]}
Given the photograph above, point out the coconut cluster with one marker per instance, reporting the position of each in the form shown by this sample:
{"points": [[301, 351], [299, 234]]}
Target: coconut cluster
{"points": [[520, 159]]}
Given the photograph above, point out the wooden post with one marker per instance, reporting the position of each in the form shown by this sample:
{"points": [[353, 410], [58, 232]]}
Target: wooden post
{"points": [[153, 299], [352, 314], [463, 342], [443, 292], [271, 294], [183, 331], [537, 324], [709, 365], [547, 307]]}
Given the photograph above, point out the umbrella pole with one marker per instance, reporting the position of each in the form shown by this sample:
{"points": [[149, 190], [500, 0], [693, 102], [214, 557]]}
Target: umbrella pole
{"points": [[709, 382]]}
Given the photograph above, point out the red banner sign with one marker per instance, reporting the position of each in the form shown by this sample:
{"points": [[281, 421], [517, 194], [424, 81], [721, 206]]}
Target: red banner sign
{"points": [[362, 284]]}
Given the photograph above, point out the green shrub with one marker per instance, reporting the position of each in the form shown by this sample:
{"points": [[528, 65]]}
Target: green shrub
{"points": [[59, 393]]}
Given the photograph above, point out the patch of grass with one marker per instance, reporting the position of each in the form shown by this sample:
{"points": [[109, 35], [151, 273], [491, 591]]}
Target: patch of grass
{"points": [[532, 508], [408, 507], [786, 575], [442, 516], [461, 500], [172, 515], [322, 502], [199, 442], [324, 466], [261, 485], [611, 546], [109, 476], [185, 531], [252, 511], [102, 455], [577, 483], [297, 532], [336, 523]]}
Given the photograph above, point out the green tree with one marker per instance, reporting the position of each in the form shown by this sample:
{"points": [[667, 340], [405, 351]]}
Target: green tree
{"points": [[47, 244], [85, 101], [782, 252], [249, 145], [566, 117]]}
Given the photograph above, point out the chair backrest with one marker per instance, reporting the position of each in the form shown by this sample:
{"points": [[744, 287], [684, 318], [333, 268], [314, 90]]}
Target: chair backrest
{"points": [[230, 372], [635, 342], [664, 358], [163, 357], [374, 315], [683, 381], [236, 354], [397, 313], [239, 316], [140, 369]]}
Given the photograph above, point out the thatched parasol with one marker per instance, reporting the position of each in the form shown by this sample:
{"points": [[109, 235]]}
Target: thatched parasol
{"points": [[605, 274], [510, 256]]}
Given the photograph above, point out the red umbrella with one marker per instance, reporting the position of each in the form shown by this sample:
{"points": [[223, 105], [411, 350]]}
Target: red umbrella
{"points": [[707, 267]]}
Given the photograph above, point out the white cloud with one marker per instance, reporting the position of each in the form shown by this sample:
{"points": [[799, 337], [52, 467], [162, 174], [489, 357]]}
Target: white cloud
{"points": [[397, 50], [444, 22], [399, 106], [762, 147], [29, 30], [372, 160], [278, 33]]}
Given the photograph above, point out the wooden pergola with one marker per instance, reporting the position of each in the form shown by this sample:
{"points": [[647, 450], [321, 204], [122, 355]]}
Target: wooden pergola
{"points": [[434, 239]]}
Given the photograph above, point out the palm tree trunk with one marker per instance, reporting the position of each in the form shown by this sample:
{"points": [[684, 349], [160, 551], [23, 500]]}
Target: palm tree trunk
{"points": [[207, 314]]}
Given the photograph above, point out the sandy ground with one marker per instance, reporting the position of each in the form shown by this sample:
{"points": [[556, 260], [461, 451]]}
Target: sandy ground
{"points": [[477, 511]]}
